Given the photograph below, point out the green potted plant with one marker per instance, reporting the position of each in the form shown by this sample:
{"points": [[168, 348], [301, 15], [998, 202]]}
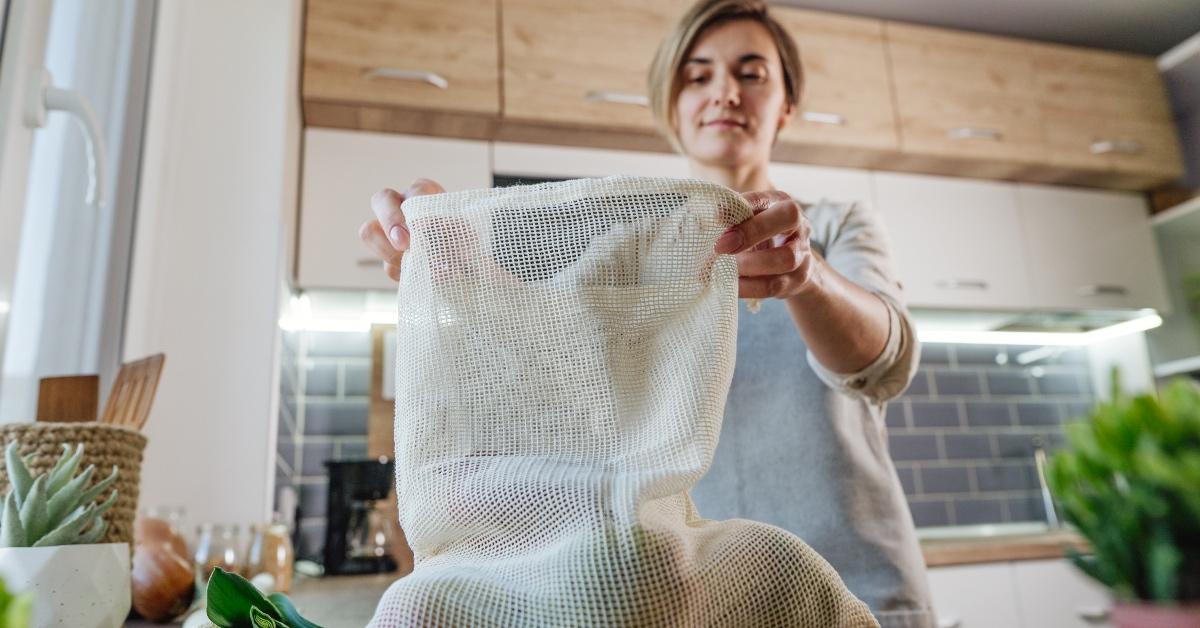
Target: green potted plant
{"points": [[50, 528], [1129, 481]]}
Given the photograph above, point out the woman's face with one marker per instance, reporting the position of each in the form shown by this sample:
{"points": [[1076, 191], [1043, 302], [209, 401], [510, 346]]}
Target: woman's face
{"points": [[732, 100]]}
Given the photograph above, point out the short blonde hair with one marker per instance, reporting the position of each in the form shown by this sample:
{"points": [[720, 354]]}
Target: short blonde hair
{"points": [[664, 82]]}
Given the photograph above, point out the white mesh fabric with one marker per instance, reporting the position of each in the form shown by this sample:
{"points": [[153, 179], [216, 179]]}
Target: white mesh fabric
{"points": [[564, 354]]}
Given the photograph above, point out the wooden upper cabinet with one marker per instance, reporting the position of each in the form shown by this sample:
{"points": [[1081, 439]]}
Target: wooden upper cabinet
{"points": [[847, 100], [964, 94], [581, 62], [1105, 111], [411, 54]]}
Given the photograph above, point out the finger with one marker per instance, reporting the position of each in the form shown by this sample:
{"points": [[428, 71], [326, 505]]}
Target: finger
{"points": [[423, 186], [386, 205], [392, 270], [777, 260], [777, 286], [779, 217], [371, 233]]}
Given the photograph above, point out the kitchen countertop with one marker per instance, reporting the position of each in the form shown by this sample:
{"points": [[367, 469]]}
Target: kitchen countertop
{"points": [[964, 550], [331, 602], [349, 601]]}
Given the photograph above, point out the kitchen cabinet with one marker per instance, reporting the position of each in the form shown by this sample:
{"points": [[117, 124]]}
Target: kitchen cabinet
{"points": [[1175, 347], [878, 94], [975, 596], [1055, 593], [1105, 111], [561, 162], [342, 169], [582, 63], [847, 100], [1089, 249], [956, 243], [402, 65], [811, 184], [1021, 594], [964, 95]]}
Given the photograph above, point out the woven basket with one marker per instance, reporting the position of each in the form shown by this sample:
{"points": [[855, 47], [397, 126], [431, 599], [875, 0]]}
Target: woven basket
{"points": [[103, 445]]}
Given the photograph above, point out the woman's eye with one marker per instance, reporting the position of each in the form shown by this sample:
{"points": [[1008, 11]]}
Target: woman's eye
{"points": [[753, 76], [697, 79]]}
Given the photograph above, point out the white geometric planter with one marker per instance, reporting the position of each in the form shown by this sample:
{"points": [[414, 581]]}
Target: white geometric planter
{"points": [[84, 586]]}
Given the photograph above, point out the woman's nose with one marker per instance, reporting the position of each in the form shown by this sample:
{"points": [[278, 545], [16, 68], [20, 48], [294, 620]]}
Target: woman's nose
{"points": [[726, 93]]}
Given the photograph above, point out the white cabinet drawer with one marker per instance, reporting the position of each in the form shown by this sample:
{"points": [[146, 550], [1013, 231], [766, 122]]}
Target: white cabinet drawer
{"points": [[1090, 249], [1053, 593], [974, 596], [955, 243], [342, 169]]}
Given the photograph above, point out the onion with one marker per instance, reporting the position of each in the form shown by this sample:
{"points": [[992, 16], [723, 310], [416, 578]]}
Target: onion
{"points": [[154, 529], [163, 584]]}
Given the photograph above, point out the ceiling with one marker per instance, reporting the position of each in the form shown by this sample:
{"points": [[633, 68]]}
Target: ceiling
{"points": [[1144, 26]]}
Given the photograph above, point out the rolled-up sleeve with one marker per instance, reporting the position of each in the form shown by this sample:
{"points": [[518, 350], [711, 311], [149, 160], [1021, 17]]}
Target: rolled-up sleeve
{"points": [[855, 244]]}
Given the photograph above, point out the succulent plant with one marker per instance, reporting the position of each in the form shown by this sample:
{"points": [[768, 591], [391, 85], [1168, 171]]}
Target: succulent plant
{"points": [[55, 508]]}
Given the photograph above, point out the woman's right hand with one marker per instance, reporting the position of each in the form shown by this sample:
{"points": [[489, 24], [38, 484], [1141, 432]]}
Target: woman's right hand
{"points": [[387, 234]]}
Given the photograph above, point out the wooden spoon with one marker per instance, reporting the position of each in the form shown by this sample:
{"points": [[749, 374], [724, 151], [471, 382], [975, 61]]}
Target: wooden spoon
{"points": [[133, 392]]}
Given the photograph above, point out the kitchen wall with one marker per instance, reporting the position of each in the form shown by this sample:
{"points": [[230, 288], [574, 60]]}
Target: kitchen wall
{"points": [[961, 436]]}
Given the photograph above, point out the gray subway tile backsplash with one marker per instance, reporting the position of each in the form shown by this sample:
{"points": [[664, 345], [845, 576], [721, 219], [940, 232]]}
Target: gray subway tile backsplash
{"points": [[951, 479], [935, 413], [957, 383], [980, 469], [962, 436], [976, 510]]}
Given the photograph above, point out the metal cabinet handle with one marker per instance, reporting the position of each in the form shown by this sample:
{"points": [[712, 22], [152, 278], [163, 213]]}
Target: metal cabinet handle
{"points": [[949, 622], [368, 262], [1124, 147], [620, 98], [962, 284], [821, 117], [1094, 614], [1100, 289], [973, 132], [422, 76]]}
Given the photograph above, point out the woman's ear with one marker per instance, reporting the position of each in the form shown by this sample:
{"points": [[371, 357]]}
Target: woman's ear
{"points": [[785, 115]]}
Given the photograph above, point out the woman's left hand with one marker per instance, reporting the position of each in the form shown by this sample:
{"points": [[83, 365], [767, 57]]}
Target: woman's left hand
{"points": [[772, 247]]}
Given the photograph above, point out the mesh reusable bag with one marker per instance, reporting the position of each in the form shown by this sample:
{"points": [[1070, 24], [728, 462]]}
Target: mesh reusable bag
{"points": [[564, 354]]}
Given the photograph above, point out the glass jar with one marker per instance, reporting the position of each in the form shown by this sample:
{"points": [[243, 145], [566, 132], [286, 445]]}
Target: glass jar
{"points": [[217, 546], [271, 552]]}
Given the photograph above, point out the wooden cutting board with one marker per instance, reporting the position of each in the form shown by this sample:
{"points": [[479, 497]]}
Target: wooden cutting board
{"points": [[380, 433]]}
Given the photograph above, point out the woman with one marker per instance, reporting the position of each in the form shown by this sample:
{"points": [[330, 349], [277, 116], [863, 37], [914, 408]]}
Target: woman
{"points": [[833, 341]]}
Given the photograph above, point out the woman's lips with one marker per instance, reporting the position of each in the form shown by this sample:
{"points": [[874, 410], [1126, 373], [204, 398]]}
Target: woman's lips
{"points": [[725, 124]]}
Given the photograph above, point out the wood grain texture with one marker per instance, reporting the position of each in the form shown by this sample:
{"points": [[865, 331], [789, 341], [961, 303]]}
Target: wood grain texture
{"points": [[381, 443], [846, 74], [133, 392], [1000, 549], [557, 51], [345, 39], [68, 399], [945, 80]]}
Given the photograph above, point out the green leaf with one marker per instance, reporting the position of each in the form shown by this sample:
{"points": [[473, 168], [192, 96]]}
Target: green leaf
{"points": [[19, 612], [68, 532], [100, 487], [34, 516], [94, 533], [67, 499], [261, 620], [12, 533], [290, 614], [65, 468], [230, 598], [18, 473]]}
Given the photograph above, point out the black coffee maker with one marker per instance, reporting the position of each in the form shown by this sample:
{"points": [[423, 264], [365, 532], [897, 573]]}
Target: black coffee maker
{"points": [[357, 531]]}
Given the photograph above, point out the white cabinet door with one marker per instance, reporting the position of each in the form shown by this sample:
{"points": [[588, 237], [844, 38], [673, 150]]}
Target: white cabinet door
{"points": [[975, 596], [565, 162], [342, 169], [955, 243], [810, 184], [1053, 593], [1090, 249]]}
